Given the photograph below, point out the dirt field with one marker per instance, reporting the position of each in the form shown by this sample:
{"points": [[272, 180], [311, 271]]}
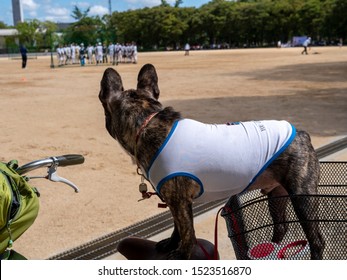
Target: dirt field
{"points": [[50, 112]]}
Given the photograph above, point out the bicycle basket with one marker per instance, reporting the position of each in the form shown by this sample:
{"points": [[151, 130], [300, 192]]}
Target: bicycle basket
{"points": [[250, 226]]}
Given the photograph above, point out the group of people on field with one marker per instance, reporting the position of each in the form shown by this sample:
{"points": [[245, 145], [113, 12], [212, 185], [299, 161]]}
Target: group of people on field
{"points": [[97, 54]]}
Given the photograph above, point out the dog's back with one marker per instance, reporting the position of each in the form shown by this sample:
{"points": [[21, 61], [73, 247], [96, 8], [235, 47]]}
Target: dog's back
{"points": [[223, 159]]}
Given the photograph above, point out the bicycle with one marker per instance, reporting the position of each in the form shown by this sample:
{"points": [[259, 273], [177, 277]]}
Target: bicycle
{"points": [[52, 164]]}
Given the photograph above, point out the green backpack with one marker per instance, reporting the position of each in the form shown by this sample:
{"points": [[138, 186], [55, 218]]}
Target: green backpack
{"points": [[19, 205]]}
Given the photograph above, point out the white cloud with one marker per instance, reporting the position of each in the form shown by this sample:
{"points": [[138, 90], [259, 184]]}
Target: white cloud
{"points": [[30, 5], [81, 5], [57, 11], [144, 2], [65, 18], [135, 4], [98, 10], [54, 13]]}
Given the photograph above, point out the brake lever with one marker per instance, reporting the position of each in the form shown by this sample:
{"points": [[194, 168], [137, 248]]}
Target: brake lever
{"points": [[54, 177]]}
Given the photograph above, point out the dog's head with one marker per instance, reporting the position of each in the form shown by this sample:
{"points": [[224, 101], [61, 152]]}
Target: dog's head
{"points": [[125, 109]]}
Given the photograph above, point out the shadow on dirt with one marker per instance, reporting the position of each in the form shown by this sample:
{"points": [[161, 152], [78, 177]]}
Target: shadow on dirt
{"points": [[320, 112], [311, 72]]}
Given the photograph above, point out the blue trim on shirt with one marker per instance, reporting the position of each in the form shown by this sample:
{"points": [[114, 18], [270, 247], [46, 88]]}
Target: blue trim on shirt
{"points": [[183, 174], [163, 145], [280, 151]]}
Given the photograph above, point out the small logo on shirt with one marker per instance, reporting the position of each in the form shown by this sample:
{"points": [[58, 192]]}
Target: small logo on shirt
{"points": [[261, 126]]}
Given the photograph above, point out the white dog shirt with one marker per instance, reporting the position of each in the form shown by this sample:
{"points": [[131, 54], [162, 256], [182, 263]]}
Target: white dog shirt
{"points": [[224, 159]]}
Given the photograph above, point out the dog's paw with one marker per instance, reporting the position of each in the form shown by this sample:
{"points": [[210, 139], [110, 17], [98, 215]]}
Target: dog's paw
{"points": [[166, 245], [176, 255]]}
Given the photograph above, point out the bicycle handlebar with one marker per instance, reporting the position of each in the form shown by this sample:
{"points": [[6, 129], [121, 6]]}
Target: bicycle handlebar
{"points": [[64, 160], [67, 160]]}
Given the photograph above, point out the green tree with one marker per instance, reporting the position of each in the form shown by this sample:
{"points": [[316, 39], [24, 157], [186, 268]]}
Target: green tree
{"points": [[192, 31], [164, 3], [335, 20], [78, 14], [311, 18], [88, 30], [3, 25], [44, 31], [178, 3], [170, 26], [239, 23], [282, 21], [214, 16], [29, 31], [127, 26]]}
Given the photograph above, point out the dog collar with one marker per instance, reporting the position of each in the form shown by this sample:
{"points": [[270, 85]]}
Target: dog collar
{"points": [[139, 132], [144, 124], [143, 186]]}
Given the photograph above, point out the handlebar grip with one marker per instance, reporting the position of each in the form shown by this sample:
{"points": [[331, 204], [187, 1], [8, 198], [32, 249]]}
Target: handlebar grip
{"points": [[67, 160]]}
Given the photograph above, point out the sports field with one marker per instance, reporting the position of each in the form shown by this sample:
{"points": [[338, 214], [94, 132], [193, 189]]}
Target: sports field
{"points": [[49, 112]]}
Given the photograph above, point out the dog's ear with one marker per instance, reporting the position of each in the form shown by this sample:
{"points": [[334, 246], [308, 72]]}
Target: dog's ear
{"points": [[148, 80], [111, 83]]}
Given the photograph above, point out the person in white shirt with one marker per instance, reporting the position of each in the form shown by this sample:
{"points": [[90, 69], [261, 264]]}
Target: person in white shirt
{"points": [[99, 53], [73, 53], [90, 51], [67, 51], [186, 49], [134, 53], [111, 48], [60, 53], [305, 45], [117, 50]]}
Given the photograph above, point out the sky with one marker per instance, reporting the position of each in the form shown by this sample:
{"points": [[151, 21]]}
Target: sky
{"points": [[61, 10]]}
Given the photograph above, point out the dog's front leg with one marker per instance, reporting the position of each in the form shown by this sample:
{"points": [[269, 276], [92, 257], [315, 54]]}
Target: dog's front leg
{"points": [[169, 244], [183, 216], [178, 193]]}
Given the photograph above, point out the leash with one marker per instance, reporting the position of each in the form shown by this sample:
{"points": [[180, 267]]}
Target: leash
{"points": [[216, 254], [215, 250], [143, 186], [146, 194], [207, 255], [237, 230]]}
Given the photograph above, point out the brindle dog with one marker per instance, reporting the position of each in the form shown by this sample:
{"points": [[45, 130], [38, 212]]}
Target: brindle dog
{"points": [[295, 171]]}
